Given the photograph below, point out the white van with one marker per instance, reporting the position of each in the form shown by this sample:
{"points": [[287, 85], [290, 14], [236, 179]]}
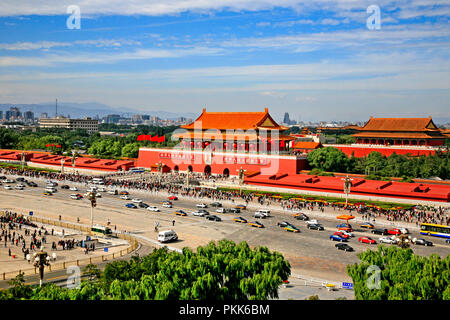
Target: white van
{"points": [[167, 236], [50, 189], [264, 212]]}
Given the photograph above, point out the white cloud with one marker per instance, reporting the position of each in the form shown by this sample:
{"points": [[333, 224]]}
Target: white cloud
{"points": [[20, 46]]}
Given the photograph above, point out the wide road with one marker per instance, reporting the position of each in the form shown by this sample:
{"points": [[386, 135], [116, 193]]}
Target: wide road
{"points": [[310, 252]]}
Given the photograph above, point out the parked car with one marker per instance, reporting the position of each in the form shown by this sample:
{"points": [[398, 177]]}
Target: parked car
{"points": [[172, 197], [259, 215], [367, 226], [131, 206], [136, 200], [283, 224], [256, 224], [241, 206], [388, 240], [143, 205], [166, 205], [315, 226], [350, 234], [199, 213], [180, 213], [65, 186], [125, 197], [342, 235], [300, 216], [221, 210], [216, 204], [367, 240], [201, 205], [422, 242], [213, 218], [32, 184], [291, 228], [73, 189], [113, 192], [380, 231], [343, 246], [240, 219], [447, 241], [153, 208], [395, 231], [123, 192], [335, 237], [47, 193], [235, 210], [344, 227], [7, 187]]}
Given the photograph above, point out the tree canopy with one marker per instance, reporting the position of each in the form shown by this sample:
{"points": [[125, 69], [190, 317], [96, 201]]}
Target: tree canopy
{"points": [[219, 271], [401, 274]]}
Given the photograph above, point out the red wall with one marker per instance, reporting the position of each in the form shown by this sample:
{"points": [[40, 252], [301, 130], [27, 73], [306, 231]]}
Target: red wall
{"points": [[220, 161]]}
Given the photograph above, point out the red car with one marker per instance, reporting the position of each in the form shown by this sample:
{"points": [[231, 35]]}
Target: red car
{"points": [[342, 235], [173, 198], [394, 231], [367, 240]]}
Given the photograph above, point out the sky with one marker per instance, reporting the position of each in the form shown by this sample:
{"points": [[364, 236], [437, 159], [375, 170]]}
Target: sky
{"points": [[318, 60]]}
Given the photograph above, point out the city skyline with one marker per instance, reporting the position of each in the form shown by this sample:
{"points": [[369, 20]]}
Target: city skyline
{"points": [[316, 61]]}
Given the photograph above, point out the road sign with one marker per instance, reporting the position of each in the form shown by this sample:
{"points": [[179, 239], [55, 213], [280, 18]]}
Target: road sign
{"points": [[31, 213], [105, 249], [347, 285]]}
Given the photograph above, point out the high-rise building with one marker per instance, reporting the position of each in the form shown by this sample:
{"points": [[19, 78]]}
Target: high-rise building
{"points": [[112, 118], [44, 115], [29, 115], [13, 113]]}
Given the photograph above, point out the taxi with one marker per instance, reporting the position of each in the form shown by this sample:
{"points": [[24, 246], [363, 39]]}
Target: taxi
{"points": [[256, 224], [239, 219], [46, 193], [367, 226], [180, 213], [291, 228]]}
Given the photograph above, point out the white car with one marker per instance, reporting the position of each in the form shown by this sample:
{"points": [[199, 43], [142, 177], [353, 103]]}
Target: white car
{"points": [[388, 240], [199, 213], [313, 221], [113, 192], [136, 200], [153, 208], [101, 189], [404, 230], [91, 189], [73, 189], [221, 210], [98, 195], [8, 181], [18, 187], [201, 205], [350, 234], [166, 205], [7, 187], [125, 197]]}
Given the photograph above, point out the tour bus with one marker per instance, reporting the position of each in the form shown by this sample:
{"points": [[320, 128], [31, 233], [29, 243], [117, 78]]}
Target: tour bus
{"points": [[137, 170], [167, 236], [101, 230], [435, 230], [97, 181]]}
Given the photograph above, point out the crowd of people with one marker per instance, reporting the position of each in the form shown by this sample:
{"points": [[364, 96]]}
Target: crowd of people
{"points": [[176, 183]]}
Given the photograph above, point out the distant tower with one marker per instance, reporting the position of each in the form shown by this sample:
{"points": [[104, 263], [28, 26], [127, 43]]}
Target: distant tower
{"points": [[286, 118]]}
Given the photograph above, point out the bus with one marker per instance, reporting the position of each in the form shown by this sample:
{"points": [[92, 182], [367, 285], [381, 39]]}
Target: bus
{"points": [[435, 230], [137, 170], [101, 230]]}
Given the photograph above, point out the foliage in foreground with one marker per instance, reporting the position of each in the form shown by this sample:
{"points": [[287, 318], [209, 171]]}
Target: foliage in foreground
{"points": [[216, 271], [402, 275]]}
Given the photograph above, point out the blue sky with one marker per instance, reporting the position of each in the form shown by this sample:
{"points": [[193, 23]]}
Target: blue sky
{"points": [[317, 60]]}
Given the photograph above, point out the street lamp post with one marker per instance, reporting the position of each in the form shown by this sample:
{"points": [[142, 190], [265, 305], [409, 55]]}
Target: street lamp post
{"points": [[23, 159], [40, 262], [347, 186], [62, 165], [92, 197]]}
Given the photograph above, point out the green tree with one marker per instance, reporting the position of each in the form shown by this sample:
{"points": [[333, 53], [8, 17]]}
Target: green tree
{"points": [[403, 275], [131, 150], [328, 159]]}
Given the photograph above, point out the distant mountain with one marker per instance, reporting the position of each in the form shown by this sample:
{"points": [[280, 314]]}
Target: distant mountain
{"points": [[90, 109]]}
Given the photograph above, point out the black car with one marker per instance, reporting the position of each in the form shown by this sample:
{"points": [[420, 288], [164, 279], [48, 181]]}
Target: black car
{"points": [[284, 224], [343, 246], [380, 231], [20, 179], [32, 184], [213, 218], [301, 216], [216, 204], [3, 178], [235, 210], [143, 205], [315, 226], [422, 242], [203, 211], [65, 186]]}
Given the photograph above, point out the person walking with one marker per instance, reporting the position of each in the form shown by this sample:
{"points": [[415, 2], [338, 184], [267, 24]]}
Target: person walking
{"points": [[173, 223]]}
